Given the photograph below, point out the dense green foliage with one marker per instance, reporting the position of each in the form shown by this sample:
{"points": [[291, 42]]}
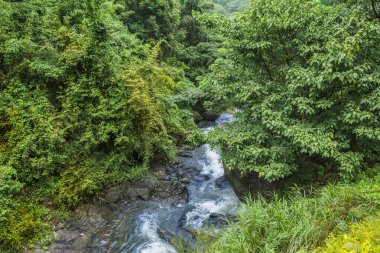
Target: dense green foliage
{"points": [[87, 101], [305, 78], [363, 237], [92, 93], [301, 223]]}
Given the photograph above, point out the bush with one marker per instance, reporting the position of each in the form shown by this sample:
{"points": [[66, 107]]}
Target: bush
{"points": [[26, 226], [363, 237]]}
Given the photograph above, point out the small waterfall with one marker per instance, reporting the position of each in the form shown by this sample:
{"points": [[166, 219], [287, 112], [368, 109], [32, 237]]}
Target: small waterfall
{"points": [[212, 165]]}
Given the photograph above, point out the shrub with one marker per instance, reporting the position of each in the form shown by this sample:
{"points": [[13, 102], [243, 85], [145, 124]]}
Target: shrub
{"points": [[363, 237]]}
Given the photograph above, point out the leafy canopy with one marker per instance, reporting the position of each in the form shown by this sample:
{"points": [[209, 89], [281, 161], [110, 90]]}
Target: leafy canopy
{"points": [[305, 79]]}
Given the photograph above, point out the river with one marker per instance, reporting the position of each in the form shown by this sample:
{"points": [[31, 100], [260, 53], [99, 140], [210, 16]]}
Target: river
{"points": [[144, 226]]}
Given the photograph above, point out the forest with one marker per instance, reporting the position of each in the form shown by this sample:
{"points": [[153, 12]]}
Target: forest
{"points": [[97, 93]]}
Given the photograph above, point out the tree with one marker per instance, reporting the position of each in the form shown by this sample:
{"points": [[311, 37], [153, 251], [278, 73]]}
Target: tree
{"points": [[304, 78], [84, 104]]}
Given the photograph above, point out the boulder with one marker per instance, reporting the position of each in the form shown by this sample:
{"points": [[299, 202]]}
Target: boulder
{"points": [[144, 193], [250, 183], [219, 220]]}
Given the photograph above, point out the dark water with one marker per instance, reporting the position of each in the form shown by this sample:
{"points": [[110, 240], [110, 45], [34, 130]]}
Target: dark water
{"points": [[140, 226]]}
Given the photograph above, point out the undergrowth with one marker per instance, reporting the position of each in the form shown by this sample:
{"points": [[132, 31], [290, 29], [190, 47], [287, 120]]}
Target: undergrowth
{"points": [[298, 221]]}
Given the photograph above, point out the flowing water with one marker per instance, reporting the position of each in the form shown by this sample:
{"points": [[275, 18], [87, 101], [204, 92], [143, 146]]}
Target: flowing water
{"points": [[141, 227]]}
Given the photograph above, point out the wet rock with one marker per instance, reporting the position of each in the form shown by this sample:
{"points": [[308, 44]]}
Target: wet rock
{"points": [[217, 220], [221, 182], [171, 189], [201, 178], [165, 234], [184, 194], [214, 215], [185, 153]]}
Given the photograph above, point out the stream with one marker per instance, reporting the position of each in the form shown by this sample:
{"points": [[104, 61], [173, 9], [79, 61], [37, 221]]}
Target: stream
{"points": [[147, 226]]}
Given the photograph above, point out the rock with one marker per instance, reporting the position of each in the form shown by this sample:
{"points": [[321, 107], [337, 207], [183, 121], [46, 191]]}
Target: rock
{"points": [[82, 242], [131, 194], [90, 215], [174, 190], [113, 195], [145, 183], [216, 220], [201, 177], [250, 183], [185, 180], [65, 236], [210, 116], [144, 193], [221, 182], [165, 234], [214, 215], [184, 153]]}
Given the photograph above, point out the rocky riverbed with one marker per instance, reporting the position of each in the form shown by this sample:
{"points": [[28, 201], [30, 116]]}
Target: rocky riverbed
{"points": [[144, 215]]}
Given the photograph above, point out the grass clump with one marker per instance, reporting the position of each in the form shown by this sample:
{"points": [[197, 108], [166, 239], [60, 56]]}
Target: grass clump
{"points": [[299, 222]]}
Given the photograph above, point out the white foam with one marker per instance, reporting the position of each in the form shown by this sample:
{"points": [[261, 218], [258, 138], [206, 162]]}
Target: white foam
{"points": [[203, 209], [225, 118], [148, 230], [148, 227], [156, 247], [212, 165]]}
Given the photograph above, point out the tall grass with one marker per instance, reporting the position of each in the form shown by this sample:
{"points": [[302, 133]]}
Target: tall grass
{"points": [[296, 222]]}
